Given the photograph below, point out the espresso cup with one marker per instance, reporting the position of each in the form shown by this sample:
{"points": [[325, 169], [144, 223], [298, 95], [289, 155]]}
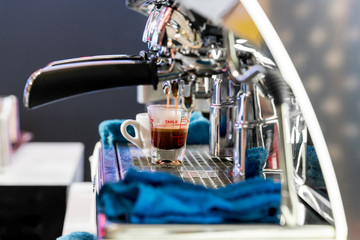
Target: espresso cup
{"points": [[142, 137], [169, 127]]}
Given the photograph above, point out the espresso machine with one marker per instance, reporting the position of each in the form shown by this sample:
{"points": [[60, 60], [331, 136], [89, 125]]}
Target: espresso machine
{"points": [[254, 100]]}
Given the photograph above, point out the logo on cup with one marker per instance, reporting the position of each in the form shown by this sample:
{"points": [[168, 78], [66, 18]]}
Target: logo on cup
{"points": [[171, 121]]}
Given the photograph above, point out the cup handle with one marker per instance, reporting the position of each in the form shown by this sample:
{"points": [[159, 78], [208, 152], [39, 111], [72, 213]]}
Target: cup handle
{"points": [[135, 140]]}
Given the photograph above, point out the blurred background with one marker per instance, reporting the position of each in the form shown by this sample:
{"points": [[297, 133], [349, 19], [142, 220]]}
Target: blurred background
{"points": [[322, 38]]}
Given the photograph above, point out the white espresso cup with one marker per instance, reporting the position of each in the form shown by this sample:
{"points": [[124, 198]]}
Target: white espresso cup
{"points": [[142, 138]]}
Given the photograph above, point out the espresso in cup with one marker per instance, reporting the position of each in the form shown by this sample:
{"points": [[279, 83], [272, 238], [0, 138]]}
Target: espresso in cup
{"points": [[167, 138]]}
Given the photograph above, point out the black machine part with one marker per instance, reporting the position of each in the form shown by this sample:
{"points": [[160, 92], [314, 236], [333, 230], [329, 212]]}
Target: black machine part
{"points": [[68, 78]]}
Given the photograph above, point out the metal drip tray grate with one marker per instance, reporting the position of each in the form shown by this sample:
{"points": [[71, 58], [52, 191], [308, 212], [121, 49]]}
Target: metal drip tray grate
{"points": [[198, 166]]}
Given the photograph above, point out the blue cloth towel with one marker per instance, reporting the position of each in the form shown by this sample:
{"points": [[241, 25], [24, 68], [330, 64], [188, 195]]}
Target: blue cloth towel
{"points": [[146, 197], [109, 130], [77, 236], [255, 162], [199, 129], [314, 176]]}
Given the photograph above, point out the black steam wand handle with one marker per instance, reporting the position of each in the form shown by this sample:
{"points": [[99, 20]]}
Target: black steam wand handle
{"points": [[67, 78]]}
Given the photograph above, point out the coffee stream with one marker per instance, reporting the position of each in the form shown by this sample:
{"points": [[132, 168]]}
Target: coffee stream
{"points": [[174, 90], [168, 100]]}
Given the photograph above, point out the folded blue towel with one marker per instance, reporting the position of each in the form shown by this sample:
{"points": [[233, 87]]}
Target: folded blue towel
{"points": [[145, 197], [255, 162], [199, 128], [77, 236], [314, 176], [109, 130]]}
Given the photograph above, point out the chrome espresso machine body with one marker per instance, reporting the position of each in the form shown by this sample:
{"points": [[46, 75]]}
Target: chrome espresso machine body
{"points": [[253, 101]]}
